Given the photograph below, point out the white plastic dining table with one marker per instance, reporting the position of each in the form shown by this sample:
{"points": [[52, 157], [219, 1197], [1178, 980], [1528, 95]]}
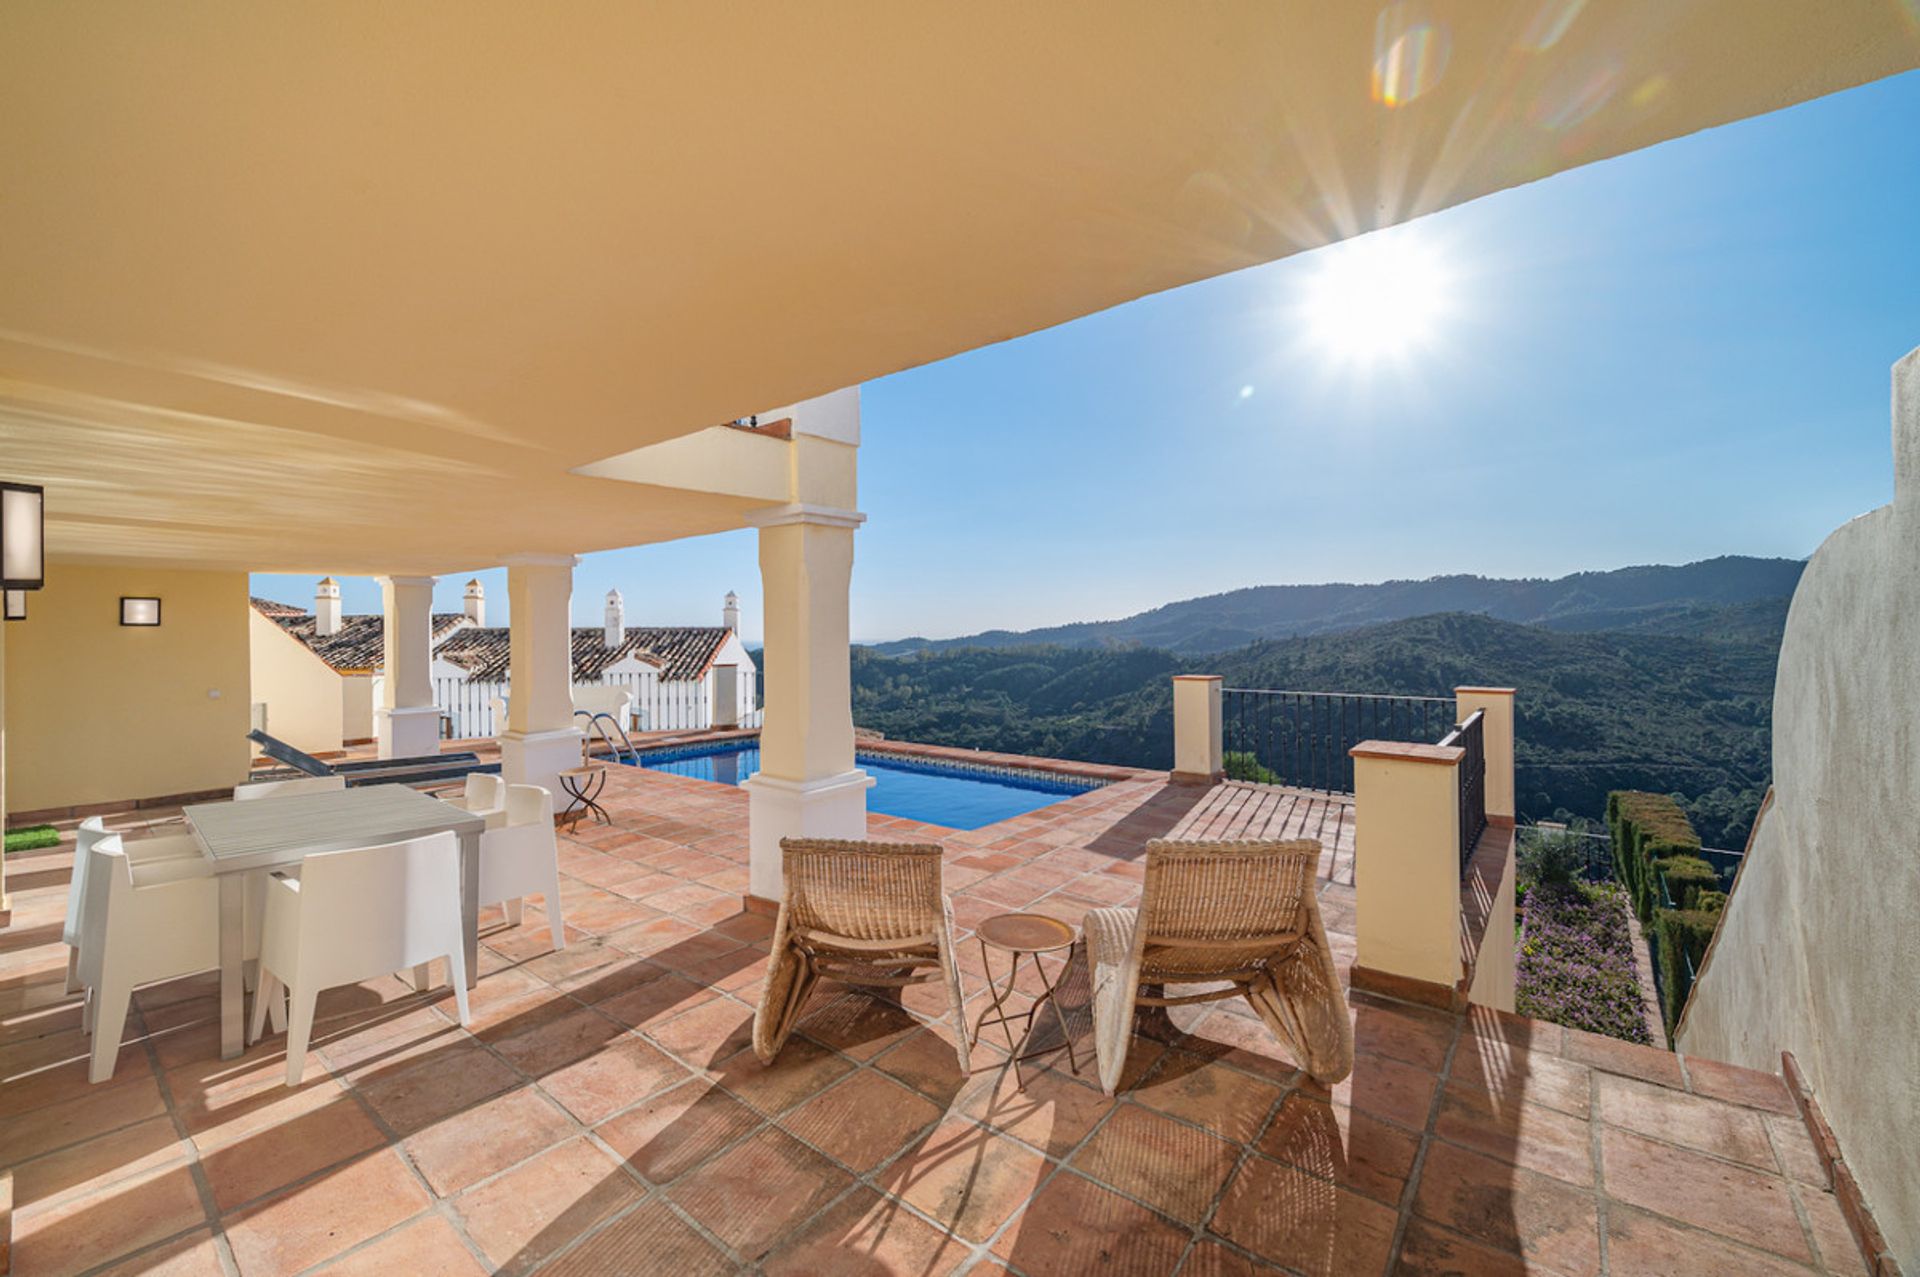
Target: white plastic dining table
{"points": [[246, 837]]}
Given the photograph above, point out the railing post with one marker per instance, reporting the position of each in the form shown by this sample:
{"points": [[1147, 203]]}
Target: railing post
{"points": [[1406, 857], [1197, 755], [1497, 704]]}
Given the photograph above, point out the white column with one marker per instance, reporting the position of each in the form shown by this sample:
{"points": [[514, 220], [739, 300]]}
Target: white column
{"points": [[6, 898], [1197, 757], [807, 785], [407, 724], [541, 740]]}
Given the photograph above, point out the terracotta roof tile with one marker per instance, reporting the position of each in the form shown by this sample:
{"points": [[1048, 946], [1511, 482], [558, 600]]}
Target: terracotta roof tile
{"points": [[358, 646]]}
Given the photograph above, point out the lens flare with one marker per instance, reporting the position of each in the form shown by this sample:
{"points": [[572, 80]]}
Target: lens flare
{"points": [[1379, 297], [1549, 24], [1409, 56]]}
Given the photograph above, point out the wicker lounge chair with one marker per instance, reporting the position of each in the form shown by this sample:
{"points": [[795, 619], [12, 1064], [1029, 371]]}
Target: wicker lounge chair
{"points": [[1241, 912], [867, 913]]}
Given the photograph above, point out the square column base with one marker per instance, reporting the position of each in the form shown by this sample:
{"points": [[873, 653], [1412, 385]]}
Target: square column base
{"points": [[833, 807], [538, 758], [407, 731]]}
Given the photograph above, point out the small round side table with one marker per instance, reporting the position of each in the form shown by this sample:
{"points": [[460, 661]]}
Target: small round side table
{"points": [[1028, 935], [583, 786]]}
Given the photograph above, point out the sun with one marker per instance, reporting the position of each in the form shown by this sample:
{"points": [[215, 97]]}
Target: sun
{"points": [[1378, 298]]}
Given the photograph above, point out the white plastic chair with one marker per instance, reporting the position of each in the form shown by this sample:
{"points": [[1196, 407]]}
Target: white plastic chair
{"points": [[288, 788], [142, 851], [485, 793], [353, 915], [139, 924], [522, 858]]}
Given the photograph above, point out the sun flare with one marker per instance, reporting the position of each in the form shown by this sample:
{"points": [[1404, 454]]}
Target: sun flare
{"points": [[1376, 298]]}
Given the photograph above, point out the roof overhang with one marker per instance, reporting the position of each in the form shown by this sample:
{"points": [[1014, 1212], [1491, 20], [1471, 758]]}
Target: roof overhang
{"points": [[359, 286]]}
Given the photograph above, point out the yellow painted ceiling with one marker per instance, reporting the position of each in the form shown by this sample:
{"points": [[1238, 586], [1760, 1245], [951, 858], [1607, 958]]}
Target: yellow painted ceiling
{"points": [[353, 286]]}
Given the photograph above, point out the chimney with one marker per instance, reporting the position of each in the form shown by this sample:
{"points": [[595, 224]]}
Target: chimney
{"points": [[616, 619], [730, 614], [476, 602], [326, 608]]}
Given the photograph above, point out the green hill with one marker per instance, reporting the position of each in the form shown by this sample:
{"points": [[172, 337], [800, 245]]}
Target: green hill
{"points": [[1654, 596], [1622, 708]]}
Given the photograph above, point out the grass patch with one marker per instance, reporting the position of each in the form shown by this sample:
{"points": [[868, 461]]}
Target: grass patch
{"points": [[32, 838]]}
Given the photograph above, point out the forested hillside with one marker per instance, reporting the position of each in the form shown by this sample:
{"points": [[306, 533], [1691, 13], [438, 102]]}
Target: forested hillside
{"points": [[1614, 709]]}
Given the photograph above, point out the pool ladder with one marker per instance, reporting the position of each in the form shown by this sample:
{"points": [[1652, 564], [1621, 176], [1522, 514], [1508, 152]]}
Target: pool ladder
{"points": [[598, 723]]}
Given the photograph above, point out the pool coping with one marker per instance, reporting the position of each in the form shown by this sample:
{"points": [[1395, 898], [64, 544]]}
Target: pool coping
{"points": [[1101, 774]]}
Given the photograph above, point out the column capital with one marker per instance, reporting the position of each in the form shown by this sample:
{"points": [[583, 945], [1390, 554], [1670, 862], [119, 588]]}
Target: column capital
{"points": [[428, 581], [541, 561], [779, 516]]}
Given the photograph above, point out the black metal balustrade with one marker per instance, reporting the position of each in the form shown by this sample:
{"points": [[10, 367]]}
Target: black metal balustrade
{"points": [[1470, 736], [1303, 739]]}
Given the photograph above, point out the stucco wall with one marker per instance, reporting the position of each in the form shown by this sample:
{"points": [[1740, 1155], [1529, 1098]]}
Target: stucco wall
{"points": [[1819, 952], [301, 692], [359, 695], [99, 712]]}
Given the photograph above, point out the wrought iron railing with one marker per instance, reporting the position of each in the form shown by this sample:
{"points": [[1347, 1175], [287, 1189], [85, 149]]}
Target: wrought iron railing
{"points": [[1471, 737], [1303, 739]]}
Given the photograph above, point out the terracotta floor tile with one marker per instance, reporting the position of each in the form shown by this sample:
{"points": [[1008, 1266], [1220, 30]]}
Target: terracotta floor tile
{"points": [[1353, 1150], [244, 1164], [857, 1024], [1540, 1139], [533, 1211], [1247, 1044], [1793, 1149], [1383, 1088], [1497, 1071], [802, 1069], [613, 1077], [437, 1086], [569, 1037], [82, 1117], [672, 1132], [1832, 1235], [966, 1177], [1209, 1258], [655, 1002], [759, 1190], [1228, 1103], [93, 1166], [708, 1035], [1736, 1085], [81, 1230], [866, 1235], [1643, 1245], [1502, 1206], [489, 1137], [650, 1238], [1302, 1221], [1043, 1106], [1076, 1226], [194, 1255], [321, 1218], [1715, 1195], [1175, 1168], [1649, 1064], [428, 1247], [1712, 1126], [1428, 1250], [1407, 1034], [862, 1120]]}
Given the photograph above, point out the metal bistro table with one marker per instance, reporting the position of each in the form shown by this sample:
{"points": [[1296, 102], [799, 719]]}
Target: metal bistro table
{"points": [[242, 838]]}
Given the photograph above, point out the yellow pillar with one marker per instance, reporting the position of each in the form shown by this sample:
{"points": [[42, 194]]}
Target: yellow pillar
{"points": [[1406, 856], [1197, 757], [541, 740], [407, 723], [808, 785], [1497, 734]]}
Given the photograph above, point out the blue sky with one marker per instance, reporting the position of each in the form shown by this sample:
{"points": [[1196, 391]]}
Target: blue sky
{"points": [[1676, 354]]}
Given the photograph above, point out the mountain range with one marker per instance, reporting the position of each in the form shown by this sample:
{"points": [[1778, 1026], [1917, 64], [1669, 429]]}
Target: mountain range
{"points": [[1691, 598]]}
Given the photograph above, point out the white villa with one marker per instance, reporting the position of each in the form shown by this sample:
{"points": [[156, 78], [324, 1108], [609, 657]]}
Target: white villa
{"points": [[317, 676]]}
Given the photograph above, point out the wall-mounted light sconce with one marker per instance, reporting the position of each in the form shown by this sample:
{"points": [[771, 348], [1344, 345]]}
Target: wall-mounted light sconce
{"points": [[23, 535], [16, 605], [139, 611]]}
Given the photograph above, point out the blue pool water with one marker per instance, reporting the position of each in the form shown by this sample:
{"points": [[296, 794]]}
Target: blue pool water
{"points": [[954, 797]]}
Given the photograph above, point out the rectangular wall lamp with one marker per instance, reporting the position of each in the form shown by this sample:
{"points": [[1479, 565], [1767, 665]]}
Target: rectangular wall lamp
{"points": [[137, 611], [16, 605]]}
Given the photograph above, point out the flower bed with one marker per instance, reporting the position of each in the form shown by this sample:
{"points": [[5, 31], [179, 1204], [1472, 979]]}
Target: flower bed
{"points": [[1576, 960]]}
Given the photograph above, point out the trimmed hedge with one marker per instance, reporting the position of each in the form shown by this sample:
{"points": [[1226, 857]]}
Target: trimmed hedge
{"points": [[1688, 878], [1645, 828], [1680, 933]]}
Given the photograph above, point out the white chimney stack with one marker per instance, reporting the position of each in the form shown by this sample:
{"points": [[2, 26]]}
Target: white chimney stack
{"points": [[730, 614], [616, 619], [476, 602], [326, 607]]}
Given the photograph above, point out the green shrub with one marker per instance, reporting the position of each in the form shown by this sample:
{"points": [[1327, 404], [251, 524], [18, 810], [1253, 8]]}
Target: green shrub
{"points": [[1711, 902], [1678, 934], [1550, 857], [32, 838], [1242, 764], [1646, 828], [1687, 877]]}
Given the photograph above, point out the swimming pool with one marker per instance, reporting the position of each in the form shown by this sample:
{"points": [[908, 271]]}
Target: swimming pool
{"points": [[948, 794]]}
